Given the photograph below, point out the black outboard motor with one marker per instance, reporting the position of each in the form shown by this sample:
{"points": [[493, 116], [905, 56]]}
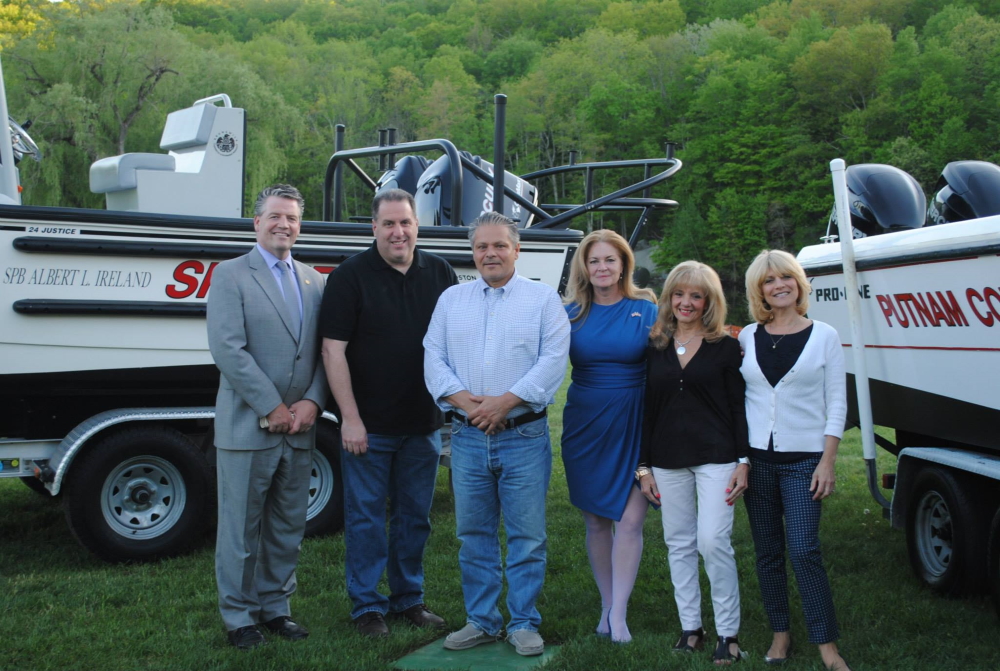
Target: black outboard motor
{"points": [[404, 175], [883, 199], [965, 190], [433, 195]]}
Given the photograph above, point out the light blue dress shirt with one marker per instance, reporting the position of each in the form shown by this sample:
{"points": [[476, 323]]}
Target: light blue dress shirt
{"points": [[272, 263], [490, 341]]}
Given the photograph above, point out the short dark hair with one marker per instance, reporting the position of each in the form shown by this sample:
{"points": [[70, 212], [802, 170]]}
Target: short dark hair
{"points": [[393, 196], [281, 191], [495, 219]]}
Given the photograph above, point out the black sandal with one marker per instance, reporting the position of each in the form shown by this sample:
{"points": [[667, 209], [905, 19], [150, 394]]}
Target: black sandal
{"points": [[682, 642], [723, 656]]}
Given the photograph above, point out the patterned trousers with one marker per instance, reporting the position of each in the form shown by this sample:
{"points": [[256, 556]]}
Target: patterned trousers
{"points": [[779, 505]]}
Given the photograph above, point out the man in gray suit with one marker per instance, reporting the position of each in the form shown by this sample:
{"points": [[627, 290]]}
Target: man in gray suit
{"points": [[263, 334]]}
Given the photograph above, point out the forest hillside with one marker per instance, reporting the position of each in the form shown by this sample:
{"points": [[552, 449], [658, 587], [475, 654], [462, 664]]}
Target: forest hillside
{"points": [[759, 96]]}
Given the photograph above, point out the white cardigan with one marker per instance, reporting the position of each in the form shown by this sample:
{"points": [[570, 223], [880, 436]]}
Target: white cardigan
{"points": [[810, 401]]}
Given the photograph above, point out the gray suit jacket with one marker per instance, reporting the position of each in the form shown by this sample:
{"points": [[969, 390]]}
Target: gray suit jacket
{"points": [[251, 339]]}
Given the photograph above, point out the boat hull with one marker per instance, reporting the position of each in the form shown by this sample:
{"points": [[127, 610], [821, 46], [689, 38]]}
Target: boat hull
{"points": [[106, 307], [930, 303]]}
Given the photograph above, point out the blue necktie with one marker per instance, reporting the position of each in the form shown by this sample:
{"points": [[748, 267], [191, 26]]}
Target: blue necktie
{"points": [[291, 297]]}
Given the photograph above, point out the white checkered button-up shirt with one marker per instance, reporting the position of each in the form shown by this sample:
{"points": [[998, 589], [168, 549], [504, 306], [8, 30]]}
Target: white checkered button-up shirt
{"points": [[491, 341]]}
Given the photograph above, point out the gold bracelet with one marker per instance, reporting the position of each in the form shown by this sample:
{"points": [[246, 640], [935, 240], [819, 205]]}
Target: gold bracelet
{"points": [[642, 471]]}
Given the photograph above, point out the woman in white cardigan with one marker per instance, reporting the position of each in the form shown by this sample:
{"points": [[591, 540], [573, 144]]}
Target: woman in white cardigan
{"points": [[796, 401]]}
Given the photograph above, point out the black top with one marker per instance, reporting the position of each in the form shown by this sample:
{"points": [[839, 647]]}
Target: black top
{"points": [[695, 415], [776, 355], [383, 316]]}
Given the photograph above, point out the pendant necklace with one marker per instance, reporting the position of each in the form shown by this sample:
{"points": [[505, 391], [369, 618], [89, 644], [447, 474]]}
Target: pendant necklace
{"points": [[774, 343], [681, 349]]}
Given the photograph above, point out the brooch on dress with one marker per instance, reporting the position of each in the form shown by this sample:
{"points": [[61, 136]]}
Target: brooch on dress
{"points": [[635, 314]]}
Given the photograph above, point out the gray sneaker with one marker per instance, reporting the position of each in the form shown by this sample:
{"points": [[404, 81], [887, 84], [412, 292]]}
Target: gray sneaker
{"points": [[526, 642], [467, 637]]}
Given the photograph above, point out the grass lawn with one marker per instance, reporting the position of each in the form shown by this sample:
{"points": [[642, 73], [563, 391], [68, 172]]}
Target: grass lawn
{"points": [[60, 608]]}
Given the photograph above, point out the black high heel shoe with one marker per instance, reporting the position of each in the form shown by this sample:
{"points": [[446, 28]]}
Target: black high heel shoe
{"points": [[722, 655], [682, 642]]}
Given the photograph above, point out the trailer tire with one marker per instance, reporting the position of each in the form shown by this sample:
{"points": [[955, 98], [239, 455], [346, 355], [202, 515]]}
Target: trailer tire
{"points": [[140, 494], [325, 513], [943, 542], [993, 561]]}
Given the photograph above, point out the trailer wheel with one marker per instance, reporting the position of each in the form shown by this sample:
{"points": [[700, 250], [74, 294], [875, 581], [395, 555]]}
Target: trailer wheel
{"points": [[945, 550], [140, 494], [325, 514], [993, 561]]}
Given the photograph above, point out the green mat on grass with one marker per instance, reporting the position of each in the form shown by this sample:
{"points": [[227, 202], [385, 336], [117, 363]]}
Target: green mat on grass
{"points": [[485, 657]]}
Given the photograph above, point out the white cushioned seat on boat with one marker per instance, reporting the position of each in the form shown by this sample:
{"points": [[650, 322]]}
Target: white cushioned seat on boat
{"points": [[200, 173], [188, 127], [117, 173]]}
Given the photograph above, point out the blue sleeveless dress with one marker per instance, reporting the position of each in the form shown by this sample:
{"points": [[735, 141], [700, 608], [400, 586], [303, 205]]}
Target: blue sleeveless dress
{"points": [[602, 420]]}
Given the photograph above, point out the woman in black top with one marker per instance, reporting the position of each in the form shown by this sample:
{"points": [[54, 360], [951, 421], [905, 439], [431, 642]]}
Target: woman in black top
{"points": [[694, 460]]}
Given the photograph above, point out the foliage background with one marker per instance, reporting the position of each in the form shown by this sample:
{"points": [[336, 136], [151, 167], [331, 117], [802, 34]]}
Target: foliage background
{"points": [[758, 95]]}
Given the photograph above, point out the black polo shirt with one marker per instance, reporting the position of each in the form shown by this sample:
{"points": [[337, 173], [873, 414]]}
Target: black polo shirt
{"points": [[383, 316]]}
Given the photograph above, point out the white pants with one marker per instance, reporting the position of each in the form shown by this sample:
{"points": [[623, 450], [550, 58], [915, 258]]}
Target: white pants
{"points": [[697, 519]]}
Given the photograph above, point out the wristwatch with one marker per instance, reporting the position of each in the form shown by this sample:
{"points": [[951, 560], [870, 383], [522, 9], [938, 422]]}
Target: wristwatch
{"points": [[744, 460], [641, 471]]}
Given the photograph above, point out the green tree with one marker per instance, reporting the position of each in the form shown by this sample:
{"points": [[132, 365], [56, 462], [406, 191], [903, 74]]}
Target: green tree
{"points": [[113, 84], [842, 73], [510, 60], [451, 107], [656, 17], [735, 228], [18, 18]]}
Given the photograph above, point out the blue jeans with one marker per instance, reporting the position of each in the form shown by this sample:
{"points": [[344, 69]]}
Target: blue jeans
{"points": [[507, 474], [401, 469]]}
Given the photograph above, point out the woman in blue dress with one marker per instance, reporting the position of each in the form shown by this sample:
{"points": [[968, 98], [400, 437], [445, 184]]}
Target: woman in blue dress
{"points": [[602, 420]]}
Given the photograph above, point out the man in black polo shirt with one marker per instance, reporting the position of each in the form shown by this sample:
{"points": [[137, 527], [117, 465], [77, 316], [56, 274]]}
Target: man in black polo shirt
{"points": [[375, 313]]}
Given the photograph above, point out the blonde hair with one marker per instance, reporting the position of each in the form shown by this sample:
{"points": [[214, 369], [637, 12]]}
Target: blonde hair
{"points": [[580, 291], [705, 279], [780, 263]]}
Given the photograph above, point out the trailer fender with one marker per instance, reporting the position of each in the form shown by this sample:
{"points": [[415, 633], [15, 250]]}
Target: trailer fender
{"points": [[912, 458], [74, 441]]}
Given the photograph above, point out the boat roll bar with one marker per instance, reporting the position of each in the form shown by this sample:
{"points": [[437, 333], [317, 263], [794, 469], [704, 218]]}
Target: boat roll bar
{"points": [[332, 197], [617, 199], [838, 170], [387, 148]]}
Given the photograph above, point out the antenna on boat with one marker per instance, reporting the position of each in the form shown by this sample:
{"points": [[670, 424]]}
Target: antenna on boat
{"points": [[9, 188], [838, 168], [338, 177], [499, 141]]}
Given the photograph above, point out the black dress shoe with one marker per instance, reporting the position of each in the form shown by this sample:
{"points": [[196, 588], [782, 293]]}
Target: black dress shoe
{"points": [[246, 638], [284, 626], [421, 616], [372, 624]]}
